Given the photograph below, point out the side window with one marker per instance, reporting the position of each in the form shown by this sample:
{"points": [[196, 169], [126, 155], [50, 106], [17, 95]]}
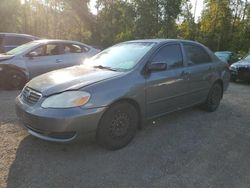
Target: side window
{"points": [[52, 49], [171, 55], [38, 51], [196, 54], [73, 48]]}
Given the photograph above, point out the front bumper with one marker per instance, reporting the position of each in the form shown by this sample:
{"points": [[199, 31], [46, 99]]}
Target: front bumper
{"points": [[59, 125], [242, 74]]}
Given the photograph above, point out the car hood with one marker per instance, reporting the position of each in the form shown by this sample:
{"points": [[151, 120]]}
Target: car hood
{"points": [[5, 57], [242, 63], [72, 78]]}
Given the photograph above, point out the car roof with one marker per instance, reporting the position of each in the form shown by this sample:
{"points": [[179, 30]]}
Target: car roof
{"points": [[59, 41], [18, 34], [163, 40]]}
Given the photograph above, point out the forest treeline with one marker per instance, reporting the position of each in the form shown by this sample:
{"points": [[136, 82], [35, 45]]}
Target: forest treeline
{"points": [[223, 24]]}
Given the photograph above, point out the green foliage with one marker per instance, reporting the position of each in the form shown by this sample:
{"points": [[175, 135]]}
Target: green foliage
{"points": [[223, 25]]}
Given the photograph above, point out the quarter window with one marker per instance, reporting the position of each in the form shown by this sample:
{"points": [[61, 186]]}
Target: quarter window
{"points": [[171, 55], [196, 55]]}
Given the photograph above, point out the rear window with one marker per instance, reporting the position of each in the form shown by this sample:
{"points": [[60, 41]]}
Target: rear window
{"points": [[16, 40]]}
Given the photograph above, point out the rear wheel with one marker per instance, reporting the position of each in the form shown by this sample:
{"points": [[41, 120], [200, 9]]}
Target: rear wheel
{"points": [[118, 126], [14, 80], [214, 98]]}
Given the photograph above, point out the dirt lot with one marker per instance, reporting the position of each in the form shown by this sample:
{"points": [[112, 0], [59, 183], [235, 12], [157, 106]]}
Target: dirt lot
{"points": [[185, 149]]}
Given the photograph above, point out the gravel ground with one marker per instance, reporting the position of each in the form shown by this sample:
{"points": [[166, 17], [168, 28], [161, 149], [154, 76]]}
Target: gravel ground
{"points": [[191, 148]]}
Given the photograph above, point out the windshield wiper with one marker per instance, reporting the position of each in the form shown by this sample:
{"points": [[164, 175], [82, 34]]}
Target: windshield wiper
{"points": [[104, 67]]}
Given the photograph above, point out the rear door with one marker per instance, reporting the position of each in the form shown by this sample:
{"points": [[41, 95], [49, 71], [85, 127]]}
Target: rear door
{"points": [[200, 72], [48, 58], [165, 90]]}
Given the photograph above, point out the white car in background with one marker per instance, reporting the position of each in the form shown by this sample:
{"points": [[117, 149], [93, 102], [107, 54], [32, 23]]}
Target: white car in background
{"points": [[41, 56]]}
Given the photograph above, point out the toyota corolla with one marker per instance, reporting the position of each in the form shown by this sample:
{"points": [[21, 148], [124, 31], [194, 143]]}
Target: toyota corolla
{"points": [[115, 91]]}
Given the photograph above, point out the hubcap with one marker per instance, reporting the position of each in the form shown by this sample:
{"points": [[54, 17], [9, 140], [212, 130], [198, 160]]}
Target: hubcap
{"points": [[16, 81], [119, 125]]}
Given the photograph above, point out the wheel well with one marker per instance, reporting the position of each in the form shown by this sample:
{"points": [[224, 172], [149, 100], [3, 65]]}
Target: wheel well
{"points": [[11, 68], [134, 104]]}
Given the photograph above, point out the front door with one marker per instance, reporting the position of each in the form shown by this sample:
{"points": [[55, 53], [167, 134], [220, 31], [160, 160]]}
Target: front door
{"points": [[47, 58], [165, 90]]}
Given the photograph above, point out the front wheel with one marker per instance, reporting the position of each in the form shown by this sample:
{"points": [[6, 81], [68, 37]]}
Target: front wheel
{"points": [[214, 98], [118, 126]]}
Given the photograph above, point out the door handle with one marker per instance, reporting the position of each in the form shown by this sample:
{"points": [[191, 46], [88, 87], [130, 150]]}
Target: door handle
{"points": [[58, 61]]}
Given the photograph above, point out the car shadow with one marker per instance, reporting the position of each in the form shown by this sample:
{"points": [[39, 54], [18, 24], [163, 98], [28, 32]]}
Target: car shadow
{"points": [[241, 82], [175, 150]]}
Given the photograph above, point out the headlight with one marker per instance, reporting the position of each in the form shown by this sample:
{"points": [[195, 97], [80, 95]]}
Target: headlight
{"points": [[68, 99]]}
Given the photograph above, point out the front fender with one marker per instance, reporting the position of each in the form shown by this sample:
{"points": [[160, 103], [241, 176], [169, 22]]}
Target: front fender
{"points": [[128, 87]]}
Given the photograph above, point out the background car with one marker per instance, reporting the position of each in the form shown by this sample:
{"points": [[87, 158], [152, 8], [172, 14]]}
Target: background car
{"points": [[227, 56], [9, 41], [112, 92], [241, 69], [37, 57]]}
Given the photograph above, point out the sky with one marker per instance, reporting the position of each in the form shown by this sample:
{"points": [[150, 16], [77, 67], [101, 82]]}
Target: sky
{"points": [[198, 9]]}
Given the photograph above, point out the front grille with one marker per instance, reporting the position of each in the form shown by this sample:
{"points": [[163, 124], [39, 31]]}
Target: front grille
{"points": [[244, 69], [30, 96]]}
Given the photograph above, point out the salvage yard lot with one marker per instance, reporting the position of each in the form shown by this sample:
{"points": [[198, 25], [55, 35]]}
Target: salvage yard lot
{"points": [[191, 148]]}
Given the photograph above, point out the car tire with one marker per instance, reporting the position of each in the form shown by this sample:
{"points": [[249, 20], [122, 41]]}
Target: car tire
{"points": [[118, 126], [214, 97], [14, 80]]}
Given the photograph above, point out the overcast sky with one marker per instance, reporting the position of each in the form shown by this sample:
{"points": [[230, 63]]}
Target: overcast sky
{"points": [[198, 10]]}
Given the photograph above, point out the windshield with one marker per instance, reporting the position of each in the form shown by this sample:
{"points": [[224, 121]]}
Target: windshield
{"points": [[121, 57], [247, 57], [22, 48]]}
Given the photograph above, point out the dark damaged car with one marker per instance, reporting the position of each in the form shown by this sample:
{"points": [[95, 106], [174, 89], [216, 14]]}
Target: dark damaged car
{"points": [[114, 92], [241, 70]]}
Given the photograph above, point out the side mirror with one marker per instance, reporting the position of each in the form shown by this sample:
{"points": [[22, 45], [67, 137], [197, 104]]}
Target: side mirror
{"points": [[155, 67], [32, 54]]}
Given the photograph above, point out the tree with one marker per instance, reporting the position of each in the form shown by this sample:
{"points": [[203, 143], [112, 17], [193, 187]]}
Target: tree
{"points": [[115, 22], [215, 24], [9, 14], [188, 28]]}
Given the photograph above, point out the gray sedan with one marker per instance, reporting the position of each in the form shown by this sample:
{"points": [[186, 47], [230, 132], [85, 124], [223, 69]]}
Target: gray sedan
{"points": [[114, 92], [32, 59]]}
